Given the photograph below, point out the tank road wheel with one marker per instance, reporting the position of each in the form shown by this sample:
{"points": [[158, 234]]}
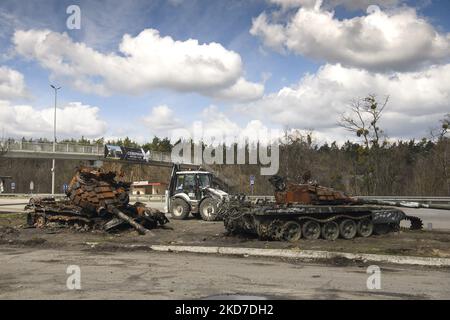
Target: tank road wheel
{"points": [[263, 231], [347, 229], [311, 230], [208, 209], [330, 231], [180, 209], [365, 228], [291, 231], [276, 229]]}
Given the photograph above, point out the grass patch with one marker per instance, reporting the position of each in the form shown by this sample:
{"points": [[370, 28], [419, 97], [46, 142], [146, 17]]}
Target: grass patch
{"points": [[12, 219]]}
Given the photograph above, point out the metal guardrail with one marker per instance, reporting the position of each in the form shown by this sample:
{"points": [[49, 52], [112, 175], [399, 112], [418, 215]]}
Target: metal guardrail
{"points": [[141, 198], [73, 148], [29, 195], [161, 198], [148, 198], [47, 147], [426, 200]]}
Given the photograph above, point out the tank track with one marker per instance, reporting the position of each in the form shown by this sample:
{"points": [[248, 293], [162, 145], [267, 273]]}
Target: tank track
{"points": [[416, 223], [269, 221]]}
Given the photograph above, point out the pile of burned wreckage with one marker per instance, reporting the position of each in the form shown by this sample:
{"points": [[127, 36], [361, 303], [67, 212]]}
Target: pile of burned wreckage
{"points": [[95, 200]]}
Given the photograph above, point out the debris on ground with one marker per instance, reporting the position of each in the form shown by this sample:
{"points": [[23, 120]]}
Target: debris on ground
{"points": [[95, 201]]}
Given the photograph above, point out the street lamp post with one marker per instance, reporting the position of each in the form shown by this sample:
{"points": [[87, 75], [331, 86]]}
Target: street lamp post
{"points": [[54, 140]]}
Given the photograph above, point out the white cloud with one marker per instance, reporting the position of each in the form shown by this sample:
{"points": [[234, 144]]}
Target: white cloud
{"points": [[417, 100], [349, 4], [143, 63], [161, 120], [242, 90], [396, 39], [217, 127], [73, 120], [212, 126], [12, 84], [363, 4]]}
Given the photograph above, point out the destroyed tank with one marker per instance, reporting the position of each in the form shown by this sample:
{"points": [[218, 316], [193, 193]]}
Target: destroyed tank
{"points": [[311, 211], [95, 200]]}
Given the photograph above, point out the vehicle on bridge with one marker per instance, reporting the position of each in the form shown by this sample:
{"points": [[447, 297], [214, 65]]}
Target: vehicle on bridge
{"points": [[193, 192]]}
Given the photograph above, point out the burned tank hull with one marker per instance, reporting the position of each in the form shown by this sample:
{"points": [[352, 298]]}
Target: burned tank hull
{"points": [[95, 200], [292, 222], [310, 212]]}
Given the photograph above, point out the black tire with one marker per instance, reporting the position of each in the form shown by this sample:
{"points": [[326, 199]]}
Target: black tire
{"points": [[347, 229], [330, 231], [365, 228], [311, 230], [179, 209], [208, 209]]}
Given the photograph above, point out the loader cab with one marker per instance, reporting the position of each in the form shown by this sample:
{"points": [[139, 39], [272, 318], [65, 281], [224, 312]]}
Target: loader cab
{"points": [[189, 193], [192, 183]]}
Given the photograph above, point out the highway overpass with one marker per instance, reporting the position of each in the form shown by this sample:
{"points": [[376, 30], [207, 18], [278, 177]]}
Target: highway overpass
{"points": [[69, 151]]}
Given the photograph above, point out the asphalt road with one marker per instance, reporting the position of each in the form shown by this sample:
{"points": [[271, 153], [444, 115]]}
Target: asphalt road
{"points": [[440, 219], [29, 273]]}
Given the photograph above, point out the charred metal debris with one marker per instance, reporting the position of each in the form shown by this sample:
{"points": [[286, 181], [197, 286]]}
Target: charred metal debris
{"points": [[95, 201]]}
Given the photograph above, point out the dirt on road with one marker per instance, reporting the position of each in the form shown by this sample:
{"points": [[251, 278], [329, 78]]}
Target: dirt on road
{"points": [[34, 273], [14, 232]]}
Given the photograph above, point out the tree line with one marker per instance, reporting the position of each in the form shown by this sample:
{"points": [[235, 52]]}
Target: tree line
{"points": [[373, 165]]}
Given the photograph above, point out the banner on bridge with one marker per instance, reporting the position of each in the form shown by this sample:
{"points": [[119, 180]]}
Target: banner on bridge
{"points": [[126, 153]]}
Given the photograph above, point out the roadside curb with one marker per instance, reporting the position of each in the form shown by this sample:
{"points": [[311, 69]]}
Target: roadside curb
{"points": [[306, 254]]}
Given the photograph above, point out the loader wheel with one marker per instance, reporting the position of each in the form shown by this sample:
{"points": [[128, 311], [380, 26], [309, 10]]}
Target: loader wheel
{"points": [[180, 209], [365, 228], [311, 230], [291, 231], [330, 231], [347, 229], [208, 209]]}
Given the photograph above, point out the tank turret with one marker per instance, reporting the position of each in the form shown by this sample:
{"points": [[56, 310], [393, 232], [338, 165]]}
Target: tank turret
{"points": [[288, 193]]}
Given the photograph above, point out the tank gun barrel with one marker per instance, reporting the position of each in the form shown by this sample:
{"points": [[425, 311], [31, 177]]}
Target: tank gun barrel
{"points": [[140, 229], [404, 204]]}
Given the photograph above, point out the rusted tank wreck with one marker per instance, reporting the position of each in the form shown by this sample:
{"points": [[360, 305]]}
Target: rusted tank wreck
{"points": [[311, 211], [95, 200]]}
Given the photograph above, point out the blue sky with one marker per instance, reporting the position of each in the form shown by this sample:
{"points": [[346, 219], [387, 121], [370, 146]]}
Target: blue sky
{"points": [[291, 78]]}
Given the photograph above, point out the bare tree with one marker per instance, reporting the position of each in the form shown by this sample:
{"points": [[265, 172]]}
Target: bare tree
{"points": [[442, 148], [439, 133], [364, 119]]}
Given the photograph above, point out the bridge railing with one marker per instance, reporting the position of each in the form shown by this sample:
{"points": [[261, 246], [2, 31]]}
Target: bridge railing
{"points": [[61, 147], [68, 148]]}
